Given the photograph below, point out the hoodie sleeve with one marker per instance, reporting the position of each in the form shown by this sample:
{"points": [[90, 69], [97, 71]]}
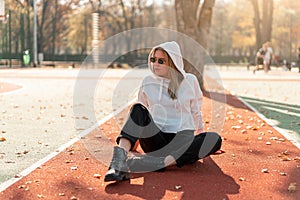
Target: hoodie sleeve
{"points": [[196, 106]]}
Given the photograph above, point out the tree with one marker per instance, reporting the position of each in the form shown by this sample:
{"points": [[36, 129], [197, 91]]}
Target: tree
{"points": [[194, 20], [263, 21], [80, 32]]}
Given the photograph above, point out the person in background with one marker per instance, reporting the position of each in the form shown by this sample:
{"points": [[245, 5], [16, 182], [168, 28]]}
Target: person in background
{"points": [[268, 57], [260, 58], [166, 121]]}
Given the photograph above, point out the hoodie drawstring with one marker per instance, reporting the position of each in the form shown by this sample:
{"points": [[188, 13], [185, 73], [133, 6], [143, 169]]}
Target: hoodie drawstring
{"points": [[161, 90]]}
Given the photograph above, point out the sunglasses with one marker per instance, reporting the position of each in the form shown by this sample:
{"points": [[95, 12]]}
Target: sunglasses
{"points": [[159, 60]]}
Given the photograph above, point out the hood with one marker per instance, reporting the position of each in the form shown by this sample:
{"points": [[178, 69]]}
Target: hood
{"points": [[173, 49]]}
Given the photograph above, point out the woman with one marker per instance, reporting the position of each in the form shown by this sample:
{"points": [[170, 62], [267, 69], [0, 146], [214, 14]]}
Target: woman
{"points": [[164, 120]]}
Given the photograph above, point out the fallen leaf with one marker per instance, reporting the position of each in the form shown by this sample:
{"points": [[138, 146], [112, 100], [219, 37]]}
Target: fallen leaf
{"points": [[177, 187], [18, 176], [235, 127], [262, 133], [292, 187], [230, 112], [242, 179], [25, 151], [40, 196], [2, 139], [70, 149], [273, 138], [285, 158], [284, 153], [97, 176], [249, 127], [268, 143], [244, 131]]}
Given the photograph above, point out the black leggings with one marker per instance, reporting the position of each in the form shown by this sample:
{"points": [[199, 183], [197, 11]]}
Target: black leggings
{"points": [[184, 146]]}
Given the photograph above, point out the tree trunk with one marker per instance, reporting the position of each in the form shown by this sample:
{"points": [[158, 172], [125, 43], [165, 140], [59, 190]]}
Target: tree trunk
{"points": [[257, 23], [267, 20], [263, 26], [54, 29], [195, 24]]}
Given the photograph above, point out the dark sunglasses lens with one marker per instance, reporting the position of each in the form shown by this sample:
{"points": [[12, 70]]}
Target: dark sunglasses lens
{"points": [[160, 61], [152, 60]]}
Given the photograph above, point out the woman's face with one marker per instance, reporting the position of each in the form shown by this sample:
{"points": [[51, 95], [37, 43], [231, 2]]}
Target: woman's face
{"points": [[160, 64]]}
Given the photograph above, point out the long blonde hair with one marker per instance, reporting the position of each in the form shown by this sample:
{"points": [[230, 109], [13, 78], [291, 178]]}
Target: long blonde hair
{"points": [[175, 75]]}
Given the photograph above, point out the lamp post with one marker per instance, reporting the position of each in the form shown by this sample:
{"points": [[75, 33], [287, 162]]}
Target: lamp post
{"points": [[34, 35], [9, 38]]}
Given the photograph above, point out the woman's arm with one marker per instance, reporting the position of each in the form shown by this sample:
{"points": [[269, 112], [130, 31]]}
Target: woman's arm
{"points": [[142, 97], [196, 106]]}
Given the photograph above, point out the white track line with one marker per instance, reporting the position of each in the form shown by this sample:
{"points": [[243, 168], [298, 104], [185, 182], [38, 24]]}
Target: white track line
{"points": [[271, 123], [30, 169], [18, 90]]}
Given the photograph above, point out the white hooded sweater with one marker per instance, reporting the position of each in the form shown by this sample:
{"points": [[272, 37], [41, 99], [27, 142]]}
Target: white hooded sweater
{"points": [[173, 115]]}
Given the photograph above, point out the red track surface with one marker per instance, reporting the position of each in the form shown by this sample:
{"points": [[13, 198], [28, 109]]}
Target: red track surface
{"points": [[257, 164]]}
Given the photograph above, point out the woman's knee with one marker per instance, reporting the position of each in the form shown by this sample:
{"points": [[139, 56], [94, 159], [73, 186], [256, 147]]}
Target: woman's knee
{"points": [[140, 114], [209, 144], [217, 138], [138, 107]]}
